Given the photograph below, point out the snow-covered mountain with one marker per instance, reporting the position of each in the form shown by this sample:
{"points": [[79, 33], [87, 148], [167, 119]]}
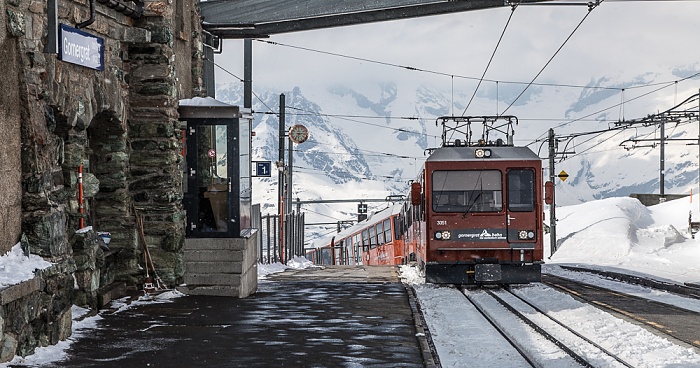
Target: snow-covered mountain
{"points": [[371, 143]]}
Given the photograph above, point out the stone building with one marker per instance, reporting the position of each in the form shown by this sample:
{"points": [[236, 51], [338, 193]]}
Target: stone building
{"points": [[119, 125]]}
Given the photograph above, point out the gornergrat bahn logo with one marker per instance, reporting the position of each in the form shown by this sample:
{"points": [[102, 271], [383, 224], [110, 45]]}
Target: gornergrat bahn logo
{"points": [[479, 234]]}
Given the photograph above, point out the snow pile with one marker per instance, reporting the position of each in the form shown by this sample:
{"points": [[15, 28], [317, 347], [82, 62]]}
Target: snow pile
{"points": [[296, 263], [15, 267], [613, 222], [621, 234], [299, 263], [411, 275]]}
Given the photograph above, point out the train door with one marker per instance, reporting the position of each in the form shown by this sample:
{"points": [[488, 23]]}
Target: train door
{"points": [[521, 209]]}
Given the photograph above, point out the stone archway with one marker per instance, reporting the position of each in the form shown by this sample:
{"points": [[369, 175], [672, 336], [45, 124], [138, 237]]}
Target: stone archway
{"points": [[109, 210]]}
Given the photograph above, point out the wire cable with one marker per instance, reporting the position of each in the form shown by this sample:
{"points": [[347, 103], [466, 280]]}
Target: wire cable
{"points": [[512, 11], [242, 81], [590, 9], [366, 123], [667, 84], [451, 75]]}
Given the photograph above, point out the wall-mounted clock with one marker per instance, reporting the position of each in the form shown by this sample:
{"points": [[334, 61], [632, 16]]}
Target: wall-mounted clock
{"points": [[298, 133]]}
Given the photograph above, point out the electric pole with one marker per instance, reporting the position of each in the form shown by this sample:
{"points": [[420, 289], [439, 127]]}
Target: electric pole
{"points": [[552, 207], [281, 167]]}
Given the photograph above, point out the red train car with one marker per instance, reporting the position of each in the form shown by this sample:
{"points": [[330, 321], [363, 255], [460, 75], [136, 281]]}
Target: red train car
{"points": [[476, 212], [377, 240]]}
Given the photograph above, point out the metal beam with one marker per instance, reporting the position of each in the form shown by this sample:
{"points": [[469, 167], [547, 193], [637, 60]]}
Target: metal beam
{"points": [[357, 200], [256, 19]]}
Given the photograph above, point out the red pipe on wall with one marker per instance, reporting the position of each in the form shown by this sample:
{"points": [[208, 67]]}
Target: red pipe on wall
{"points": [[80, 196]]}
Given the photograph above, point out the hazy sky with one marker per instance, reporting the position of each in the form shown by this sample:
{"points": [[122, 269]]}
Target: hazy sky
{"points": [[645, 41]]}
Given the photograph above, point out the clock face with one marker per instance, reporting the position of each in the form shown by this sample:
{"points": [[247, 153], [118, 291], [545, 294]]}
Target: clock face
{"points": [[298, 133]]}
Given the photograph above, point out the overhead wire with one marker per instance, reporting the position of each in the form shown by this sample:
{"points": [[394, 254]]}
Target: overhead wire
{"points": [[370, 124], [590, 10], [512, 11], [241, 80], [667, 84], [451, 75]]}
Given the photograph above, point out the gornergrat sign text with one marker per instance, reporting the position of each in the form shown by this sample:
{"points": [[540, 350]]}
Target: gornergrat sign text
{"points": [[81, 48]]}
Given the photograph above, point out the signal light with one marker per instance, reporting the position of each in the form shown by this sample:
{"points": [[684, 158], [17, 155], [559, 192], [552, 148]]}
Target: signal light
{"points": [[443, 235], [526, 235], [482, 153]]}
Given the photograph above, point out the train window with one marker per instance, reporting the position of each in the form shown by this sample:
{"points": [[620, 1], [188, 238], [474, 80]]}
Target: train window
{"points": [[398, 227], [372, 237], [467, 191], [521, 190], [387, 230], [380, 234], [365, 239]]}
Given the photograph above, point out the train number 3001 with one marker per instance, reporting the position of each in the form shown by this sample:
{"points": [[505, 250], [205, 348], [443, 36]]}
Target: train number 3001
{"points": [[441, 222]]}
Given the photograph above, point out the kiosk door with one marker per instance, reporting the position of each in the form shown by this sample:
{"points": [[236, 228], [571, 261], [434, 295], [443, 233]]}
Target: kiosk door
{"points": [[212, 178]]}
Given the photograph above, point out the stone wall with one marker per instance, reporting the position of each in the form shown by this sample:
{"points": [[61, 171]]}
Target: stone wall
{"points": [[36, 312], [120, 125], [10, 169]]}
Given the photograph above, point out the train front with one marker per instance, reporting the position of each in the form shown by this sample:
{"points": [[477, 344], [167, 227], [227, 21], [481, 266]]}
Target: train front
{"points": [[483, 215]]}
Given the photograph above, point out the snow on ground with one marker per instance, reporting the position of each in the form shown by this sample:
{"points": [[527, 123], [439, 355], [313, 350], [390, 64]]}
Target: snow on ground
{"points": [[83, 323], [52, 353], [616, 234], [297, 263]]}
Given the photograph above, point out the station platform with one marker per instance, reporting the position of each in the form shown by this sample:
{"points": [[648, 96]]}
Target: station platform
{"points": [[361, 274], [318, 317]]}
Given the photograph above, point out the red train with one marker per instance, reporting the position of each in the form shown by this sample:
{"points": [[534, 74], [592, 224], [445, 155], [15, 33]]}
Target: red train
{"points": [[473, 216], [378, 240]]}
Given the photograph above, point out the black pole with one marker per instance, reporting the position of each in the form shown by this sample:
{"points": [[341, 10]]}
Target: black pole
{"points": [[281, 166], [661, 162], [248, 73]]}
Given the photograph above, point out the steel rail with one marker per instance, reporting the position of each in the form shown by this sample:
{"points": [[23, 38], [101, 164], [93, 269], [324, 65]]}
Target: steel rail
{"points": [[500, 330], [578, 358], [620, 360]]}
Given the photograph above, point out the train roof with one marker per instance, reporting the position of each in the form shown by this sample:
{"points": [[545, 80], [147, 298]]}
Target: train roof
{"points": [[372, 219], [451, 153]]}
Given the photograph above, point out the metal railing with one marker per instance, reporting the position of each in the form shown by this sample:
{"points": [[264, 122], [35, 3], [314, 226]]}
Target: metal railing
{"points": [[280, 245]]}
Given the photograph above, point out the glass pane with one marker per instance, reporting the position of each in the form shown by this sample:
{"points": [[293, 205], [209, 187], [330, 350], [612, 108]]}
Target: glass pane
{"points": [[213, 181], [521, 190], [467, 191], [387, 230], [245, 169], [380, 234]]}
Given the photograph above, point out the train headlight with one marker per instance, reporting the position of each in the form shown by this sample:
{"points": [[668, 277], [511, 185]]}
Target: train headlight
{"points": [[526, 235], [482, 153], [443, 235]]}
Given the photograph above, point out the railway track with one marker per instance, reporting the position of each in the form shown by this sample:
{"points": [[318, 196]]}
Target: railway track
{"points": [[667, 320], [542, 340]]}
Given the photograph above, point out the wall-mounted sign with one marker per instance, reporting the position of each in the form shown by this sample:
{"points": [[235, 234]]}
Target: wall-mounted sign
{"points": [[81, 48], [263, 168]]}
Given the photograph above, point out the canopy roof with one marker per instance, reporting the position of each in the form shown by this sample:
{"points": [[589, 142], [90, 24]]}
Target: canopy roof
{"points": [[258, 19]]}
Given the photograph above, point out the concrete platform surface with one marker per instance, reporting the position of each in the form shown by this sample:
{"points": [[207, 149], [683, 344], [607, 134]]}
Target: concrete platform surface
{"points": [[362, 274], [289, 322]]}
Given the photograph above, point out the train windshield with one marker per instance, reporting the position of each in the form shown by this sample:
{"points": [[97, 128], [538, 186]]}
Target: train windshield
{"points": [[521, 190], [467, 191]]}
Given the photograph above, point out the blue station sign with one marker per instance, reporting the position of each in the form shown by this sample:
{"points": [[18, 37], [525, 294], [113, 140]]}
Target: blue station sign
{"points": [[81, 48], [263, 168]]}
